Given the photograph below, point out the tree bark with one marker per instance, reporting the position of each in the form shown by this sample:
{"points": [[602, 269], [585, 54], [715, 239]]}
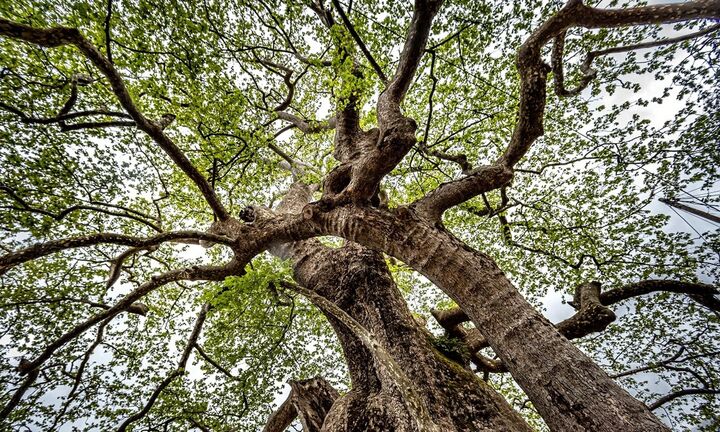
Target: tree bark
{"points": [[568, 389], [357, 280]]}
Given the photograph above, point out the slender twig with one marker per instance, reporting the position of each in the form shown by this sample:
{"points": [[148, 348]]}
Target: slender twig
{"points": [[358, 40]]}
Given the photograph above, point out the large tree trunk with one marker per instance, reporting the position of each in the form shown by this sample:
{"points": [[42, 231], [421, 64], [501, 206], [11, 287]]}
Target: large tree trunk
{"points": [[569, 390], [358, 281]]}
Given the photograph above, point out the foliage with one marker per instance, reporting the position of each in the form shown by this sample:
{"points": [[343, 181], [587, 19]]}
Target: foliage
{"points": [[582, 206], [452, 348]]}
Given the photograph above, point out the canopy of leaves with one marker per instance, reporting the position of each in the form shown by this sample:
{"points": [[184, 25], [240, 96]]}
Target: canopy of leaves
{"points": [[582, 206]]}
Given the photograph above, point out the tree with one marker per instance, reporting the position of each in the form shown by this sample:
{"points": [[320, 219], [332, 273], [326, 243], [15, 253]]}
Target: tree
{"points": [[134, 129]]}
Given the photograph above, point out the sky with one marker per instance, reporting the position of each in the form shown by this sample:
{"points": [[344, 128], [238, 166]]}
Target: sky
{"points": [[554, 303]]}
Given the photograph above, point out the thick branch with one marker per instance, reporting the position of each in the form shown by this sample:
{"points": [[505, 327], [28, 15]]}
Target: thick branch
{"points": [[368, 156], [310, 400], [481, 180], [58, 36], [43, 249], [410, 56], [533, 76], [283, 416], [702, 293], [313, 399], [533, 71], [593, 314], [19, 393], [385, 363], [305, 126]]}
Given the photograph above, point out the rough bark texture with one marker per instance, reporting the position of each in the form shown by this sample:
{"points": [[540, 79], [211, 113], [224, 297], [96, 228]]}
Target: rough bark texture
{"points": [[569, 390], [357, 280], [310, 400]]}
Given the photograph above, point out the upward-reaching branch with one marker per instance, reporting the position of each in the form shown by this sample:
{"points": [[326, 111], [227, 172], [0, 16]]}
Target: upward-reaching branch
{"points": [[533, 82], [310, 400], [59, 36], [369, 156], [417, 37], [359, 42], [593, 314], [533, 70], [385, 362]]}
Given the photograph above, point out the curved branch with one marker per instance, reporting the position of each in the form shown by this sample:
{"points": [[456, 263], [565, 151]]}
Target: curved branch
{"points": [[135, 308], [62, 116], [310, 400], [59, 36], [128, 213], [678, 394], [384, 360], [179, 371], [480, 180], [533, 78], [116, 265], [214, 273], [283, 416], [307, 127], [96, 125], [214, 364], [533, 70], [702, 293], [43, 249], [593, 314], [665, 363], [589, 73]]}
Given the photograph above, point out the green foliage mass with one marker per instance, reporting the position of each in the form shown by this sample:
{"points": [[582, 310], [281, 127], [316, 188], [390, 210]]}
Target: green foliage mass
{"points": [[582, 206]]}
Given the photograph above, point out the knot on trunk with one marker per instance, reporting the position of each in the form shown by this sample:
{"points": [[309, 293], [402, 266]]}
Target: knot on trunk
{"points": [[592, 316], [337, 180], [230, 227]]}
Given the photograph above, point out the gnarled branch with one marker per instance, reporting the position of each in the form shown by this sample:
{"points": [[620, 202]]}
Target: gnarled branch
{"points": [[58, 36], [39, 250]]}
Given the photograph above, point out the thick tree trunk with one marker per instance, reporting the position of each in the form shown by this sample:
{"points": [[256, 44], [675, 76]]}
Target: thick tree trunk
{"points": [[358, 282], [569, 390]]}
